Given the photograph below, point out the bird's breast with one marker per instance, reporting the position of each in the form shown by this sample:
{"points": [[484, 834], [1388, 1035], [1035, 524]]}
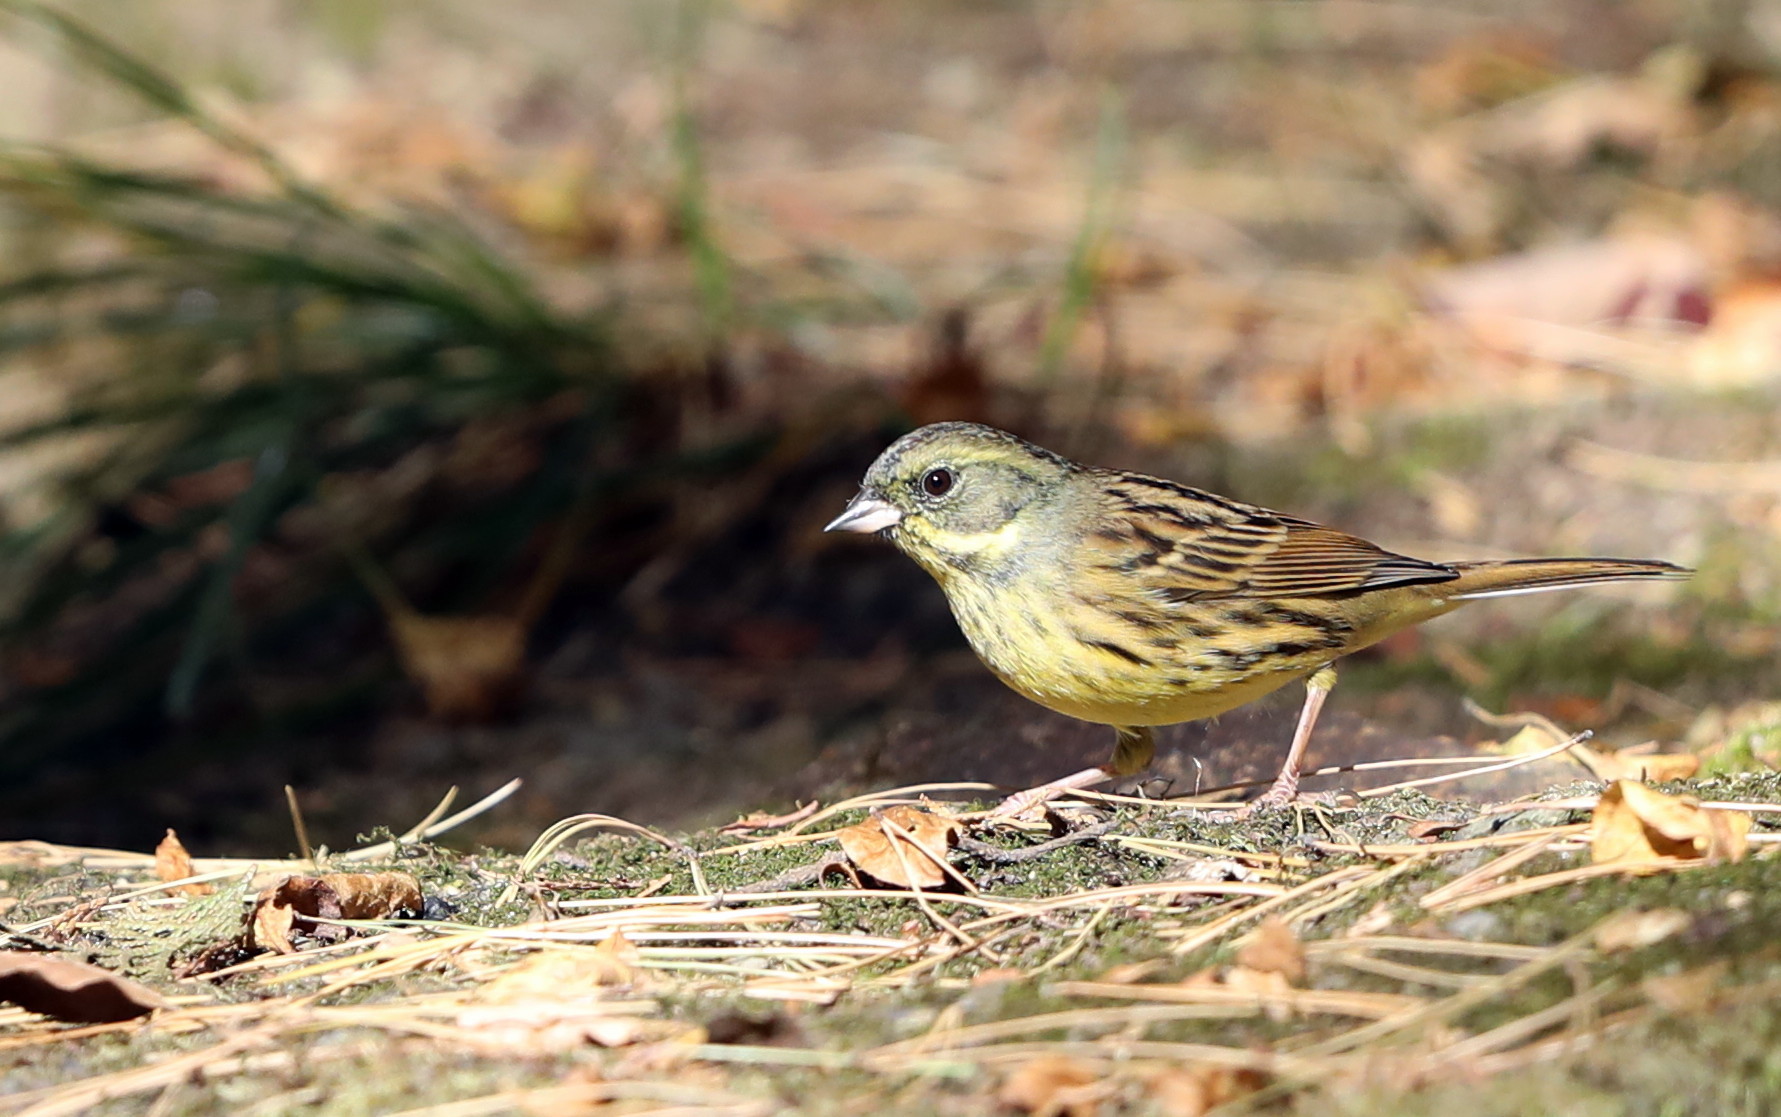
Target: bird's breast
{"points": [[1081, 658]]}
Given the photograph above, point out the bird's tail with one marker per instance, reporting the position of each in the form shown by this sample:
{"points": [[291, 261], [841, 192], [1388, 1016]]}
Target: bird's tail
{"points": [[1504, 578]]}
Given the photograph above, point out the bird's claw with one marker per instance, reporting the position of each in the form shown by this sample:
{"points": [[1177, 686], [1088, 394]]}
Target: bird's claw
{"points": [[1284, 792]]}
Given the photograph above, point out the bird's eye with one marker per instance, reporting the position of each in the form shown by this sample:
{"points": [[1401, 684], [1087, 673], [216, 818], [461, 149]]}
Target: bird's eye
{"points": [[937, 482]]}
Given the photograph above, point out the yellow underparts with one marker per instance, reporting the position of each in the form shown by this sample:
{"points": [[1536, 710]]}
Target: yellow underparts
{"points": [[1199, 659]]}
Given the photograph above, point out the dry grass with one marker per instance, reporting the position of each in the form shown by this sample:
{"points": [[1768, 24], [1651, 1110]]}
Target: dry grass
{"points": [[621, 997]]}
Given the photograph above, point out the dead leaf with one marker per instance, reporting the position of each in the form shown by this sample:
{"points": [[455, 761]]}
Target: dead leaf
{"points": [[1628, 764], [1274, 948], [570, 973], [868, 844], [470, 668], [172, 862], [1191, 1091], [296, 903], [375, 895], [1633, 930], [1634, 826], [1054, 1086], [72, 991]]}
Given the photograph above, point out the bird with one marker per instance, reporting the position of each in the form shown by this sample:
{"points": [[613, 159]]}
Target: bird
{"points": [[1134, 602]]}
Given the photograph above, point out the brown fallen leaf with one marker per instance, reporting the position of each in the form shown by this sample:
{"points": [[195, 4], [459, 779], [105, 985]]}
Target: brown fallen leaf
{"points": [[1054, 1086], [375, 895], [868, 844], [172, 862], [1273, 948], [570, 973], [1636, 827], [72, 991], [1627, 764], [297, 902], [1193, 1090]]}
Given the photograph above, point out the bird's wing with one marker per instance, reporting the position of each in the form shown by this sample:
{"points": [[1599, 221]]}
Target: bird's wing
{"points": [[1184, 545]]}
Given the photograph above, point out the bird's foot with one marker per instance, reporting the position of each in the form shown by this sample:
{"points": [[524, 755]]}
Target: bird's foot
{"points": [[1284, 793], [1023, 801]]}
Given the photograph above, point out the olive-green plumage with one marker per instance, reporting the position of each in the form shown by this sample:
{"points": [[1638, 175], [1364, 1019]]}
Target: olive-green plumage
{"points": [[1133, 601]]}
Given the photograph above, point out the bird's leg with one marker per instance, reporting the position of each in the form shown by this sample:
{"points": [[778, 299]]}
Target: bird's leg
{"points": [[1286, 784], [1132, 752]]}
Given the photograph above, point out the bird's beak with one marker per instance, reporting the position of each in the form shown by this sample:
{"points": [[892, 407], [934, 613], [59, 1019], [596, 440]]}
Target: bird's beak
{"points": [[866, 513]]}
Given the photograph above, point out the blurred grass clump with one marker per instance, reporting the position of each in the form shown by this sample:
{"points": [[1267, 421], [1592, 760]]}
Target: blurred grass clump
{"points": [[243, 374]]}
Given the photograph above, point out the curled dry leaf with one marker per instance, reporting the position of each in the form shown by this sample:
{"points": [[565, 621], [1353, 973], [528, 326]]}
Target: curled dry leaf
{"points": [[295, 903], [869, 846], [72, 991], [1054, 1086], [172, 862], [1637, 827]]}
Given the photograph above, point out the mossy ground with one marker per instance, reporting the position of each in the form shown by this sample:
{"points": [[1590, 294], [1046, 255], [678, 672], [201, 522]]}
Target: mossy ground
{"points": [[789, 1055]]}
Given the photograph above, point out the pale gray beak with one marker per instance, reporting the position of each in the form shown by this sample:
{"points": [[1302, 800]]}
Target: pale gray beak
{"points": [[865, 514]]}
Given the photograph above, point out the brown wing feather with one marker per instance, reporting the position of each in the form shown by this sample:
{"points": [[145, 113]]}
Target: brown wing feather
{"points": [[1186, 545]]}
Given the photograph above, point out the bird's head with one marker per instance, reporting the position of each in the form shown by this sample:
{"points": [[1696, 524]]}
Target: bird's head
{"points": [[955, 496]]}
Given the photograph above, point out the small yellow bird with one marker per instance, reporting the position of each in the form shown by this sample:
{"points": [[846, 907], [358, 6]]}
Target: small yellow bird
{"points": [[1135, 602]]}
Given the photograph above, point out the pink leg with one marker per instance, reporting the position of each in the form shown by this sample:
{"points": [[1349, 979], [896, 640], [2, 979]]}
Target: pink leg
{"points": [[1023, 801], [1286, 784], [1131, 753]]}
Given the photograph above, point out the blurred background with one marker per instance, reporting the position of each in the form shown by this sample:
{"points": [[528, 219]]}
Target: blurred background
{"points": [[395, 396]]}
